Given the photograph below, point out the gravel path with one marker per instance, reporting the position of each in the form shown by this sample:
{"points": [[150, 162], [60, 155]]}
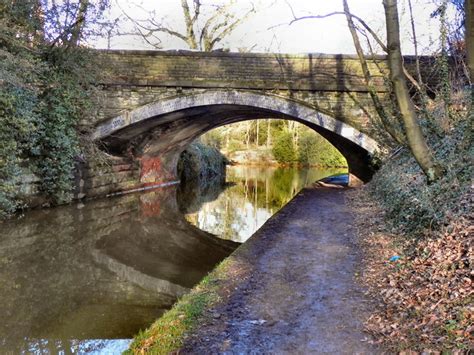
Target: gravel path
{"points": [[291, 288]]}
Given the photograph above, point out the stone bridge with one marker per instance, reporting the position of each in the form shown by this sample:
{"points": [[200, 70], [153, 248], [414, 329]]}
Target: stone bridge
{"points": [[154, 103]]}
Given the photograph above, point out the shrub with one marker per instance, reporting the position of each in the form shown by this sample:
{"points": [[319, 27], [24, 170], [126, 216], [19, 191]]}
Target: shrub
{"points": [[315, 150], [200, 162], [283, 148]]}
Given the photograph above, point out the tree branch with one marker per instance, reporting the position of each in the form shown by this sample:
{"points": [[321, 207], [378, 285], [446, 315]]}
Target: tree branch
{"points": [[191, 37], [367, 28], [156, 28]]}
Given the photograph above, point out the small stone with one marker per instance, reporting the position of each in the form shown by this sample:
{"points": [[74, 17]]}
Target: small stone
{"points": [[216, 315], [259, 321]]}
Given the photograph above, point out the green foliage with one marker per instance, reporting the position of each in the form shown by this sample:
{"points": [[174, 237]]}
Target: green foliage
{"points": [[315, 150], [283, 149], [213, 139], [58, 139], [10, 147], [38, 129], [18, 136], [44, 91]]}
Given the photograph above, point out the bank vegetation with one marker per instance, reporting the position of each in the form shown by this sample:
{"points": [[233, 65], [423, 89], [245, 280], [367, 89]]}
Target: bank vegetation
{"points": [[46, 87]]}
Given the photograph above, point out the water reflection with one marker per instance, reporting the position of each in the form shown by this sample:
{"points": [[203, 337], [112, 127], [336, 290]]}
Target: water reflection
{"points": [[252, 196], [58, 346], [85, 278]]}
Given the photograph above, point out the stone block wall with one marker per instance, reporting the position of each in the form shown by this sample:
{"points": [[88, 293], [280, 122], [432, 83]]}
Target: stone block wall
{"points": [[313, 72], [94, 179], [332, 84]]}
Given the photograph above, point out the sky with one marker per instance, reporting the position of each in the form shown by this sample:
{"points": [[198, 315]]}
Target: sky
{"points": [[268, 30]]}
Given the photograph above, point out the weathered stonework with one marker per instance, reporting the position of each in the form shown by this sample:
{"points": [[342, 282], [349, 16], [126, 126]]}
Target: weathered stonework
{"points": [[114, 174], [154, 103]]}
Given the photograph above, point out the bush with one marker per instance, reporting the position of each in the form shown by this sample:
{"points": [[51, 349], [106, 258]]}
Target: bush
{"points": [[199, 162], [42, 98], [283, 149], [315, 150]]}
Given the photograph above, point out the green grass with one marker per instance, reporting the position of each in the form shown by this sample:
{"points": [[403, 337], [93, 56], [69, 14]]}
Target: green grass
{"points": [[167, 334]]}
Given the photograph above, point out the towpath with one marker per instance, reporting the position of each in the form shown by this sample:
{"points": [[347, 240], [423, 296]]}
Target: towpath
{"points": [[291, 287]]}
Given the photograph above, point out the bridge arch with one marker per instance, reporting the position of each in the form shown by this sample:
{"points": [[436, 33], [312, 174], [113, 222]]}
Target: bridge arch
{"points": [[164, 128]]}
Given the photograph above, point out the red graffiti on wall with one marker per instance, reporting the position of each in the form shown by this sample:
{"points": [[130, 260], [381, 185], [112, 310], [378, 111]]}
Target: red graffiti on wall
{"points": [[151, 171]]}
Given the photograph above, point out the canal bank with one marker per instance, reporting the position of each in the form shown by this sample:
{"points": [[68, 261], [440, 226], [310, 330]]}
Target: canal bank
{"points": [[290, 288]]}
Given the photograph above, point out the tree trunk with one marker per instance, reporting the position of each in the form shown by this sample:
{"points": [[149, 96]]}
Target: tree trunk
{"points": [[469, 9], [76, 30], [258, 131], [421, 86], [392, 131], [188, 19], [415, 45], [269, 138], [247, 135], [416, 141]]}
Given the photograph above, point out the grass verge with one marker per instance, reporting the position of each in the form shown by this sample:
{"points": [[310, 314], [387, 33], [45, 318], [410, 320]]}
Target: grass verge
{"points": [[168, 332]]}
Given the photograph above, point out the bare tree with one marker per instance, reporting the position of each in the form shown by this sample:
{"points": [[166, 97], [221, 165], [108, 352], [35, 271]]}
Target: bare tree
{"points": [[363, 25], [67, 22], [416, 140], [202, 33], [469, 8], [78, 24], [391, 130]]}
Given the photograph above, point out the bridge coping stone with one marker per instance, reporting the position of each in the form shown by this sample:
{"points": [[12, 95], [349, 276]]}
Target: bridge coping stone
{"points": [[190, 53]]}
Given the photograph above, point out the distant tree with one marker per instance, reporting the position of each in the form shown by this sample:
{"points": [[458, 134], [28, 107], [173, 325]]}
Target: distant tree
{"points": [[204, 30], [313, 149], [283, 148]]}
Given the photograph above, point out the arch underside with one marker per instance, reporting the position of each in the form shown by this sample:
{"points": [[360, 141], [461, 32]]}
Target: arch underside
{"points": [[165, 128]]}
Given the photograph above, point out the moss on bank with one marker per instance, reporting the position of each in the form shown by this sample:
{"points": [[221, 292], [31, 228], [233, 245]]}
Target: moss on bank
{"points": [[168, 332]]}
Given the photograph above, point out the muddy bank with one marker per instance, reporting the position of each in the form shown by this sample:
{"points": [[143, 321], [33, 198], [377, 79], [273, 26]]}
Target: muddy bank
{"points": [[289, 289]]}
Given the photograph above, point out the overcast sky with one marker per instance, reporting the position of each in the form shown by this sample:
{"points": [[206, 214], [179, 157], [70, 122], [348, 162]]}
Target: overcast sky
{"points": [[329, 35]]}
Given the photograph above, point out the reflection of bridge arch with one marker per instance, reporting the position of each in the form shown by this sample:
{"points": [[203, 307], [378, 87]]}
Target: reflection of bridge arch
{"points": [[167, 126]]}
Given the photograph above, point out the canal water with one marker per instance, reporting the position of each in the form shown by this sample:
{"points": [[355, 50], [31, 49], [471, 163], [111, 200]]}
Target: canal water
{"points": [[85, 278]]}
